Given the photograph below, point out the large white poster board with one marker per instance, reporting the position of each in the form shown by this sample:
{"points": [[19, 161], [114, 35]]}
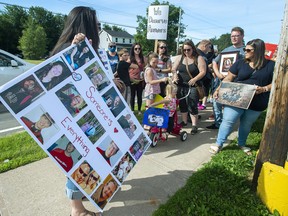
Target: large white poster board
{"points": [[74, 111], [157, 22]]}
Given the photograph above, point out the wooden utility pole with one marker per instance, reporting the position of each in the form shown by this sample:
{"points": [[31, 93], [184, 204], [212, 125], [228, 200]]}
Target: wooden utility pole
{"points": [[274, 143]]}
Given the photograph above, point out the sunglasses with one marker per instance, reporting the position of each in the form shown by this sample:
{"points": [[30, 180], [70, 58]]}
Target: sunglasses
{"points": [[112, 46], [82, 172], [94, 178], [247, 50], [163, 47], [186, 50], [137, 48]]}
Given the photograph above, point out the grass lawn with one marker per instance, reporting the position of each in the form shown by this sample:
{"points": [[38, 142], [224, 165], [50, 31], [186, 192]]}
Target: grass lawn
{"points": [[17, 150]]}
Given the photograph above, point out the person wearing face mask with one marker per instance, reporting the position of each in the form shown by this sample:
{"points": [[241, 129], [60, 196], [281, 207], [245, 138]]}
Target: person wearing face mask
{"points": [[113, 56]]}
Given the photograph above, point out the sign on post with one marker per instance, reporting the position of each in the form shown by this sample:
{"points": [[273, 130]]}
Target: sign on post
{"points": [[157, 22]]}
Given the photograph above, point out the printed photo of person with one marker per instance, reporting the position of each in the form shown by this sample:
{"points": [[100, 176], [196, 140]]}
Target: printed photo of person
{"points": [[113, 101], [123, 168], [80, 174], [139, 147], [127, 124], [97, 76], [64, 153], [109, 150], [40, 123], [53, 73], [78, 55], [71, 99], [105, 191], [91, 182], [22, 94], [90, 125]]}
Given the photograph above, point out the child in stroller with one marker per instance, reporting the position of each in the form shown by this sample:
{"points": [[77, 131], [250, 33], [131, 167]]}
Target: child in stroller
{"points": [[169, 102]]}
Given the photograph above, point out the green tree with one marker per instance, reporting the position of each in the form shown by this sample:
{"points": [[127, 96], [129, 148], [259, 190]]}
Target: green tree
{"points": [[113, 28], [52, 24], [33, 41], [12, 22], [222, 42], [173, 23]]}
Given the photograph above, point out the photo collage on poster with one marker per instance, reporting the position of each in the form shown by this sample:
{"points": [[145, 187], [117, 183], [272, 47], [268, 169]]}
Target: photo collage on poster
{"points": [[70, 105]]}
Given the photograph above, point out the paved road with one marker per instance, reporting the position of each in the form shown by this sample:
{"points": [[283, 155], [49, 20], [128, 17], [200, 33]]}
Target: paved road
{"points": [[8, 124]]}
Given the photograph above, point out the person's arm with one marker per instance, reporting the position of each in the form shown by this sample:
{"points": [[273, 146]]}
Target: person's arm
{"points": [[229, 78], [151, 81], [164, 101], [175, 68], [263, 89]]}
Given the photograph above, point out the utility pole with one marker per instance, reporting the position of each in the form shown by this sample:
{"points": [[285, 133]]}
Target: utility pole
{"points": [[178, 35], [274, 146]]}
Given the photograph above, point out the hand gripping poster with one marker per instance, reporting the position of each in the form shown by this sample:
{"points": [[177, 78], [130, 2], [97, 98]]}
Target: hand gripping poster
{"points": [[71, 107]]}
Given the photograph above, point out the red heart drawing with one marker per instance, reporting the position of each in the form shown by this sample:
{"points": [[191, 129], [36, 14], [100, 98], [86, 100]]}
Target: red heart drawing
{"points": [[115, 130]]}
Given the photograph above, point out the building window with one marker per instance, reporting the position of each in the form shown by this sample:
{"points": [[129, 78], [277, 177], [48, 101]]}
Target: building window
{"points": [[130, 41], [123, 40], [116, 39]]}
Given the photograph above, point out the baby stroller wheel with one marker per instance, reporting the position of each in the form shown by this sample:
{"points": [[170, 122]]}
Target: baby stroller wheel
{"points": [[154, 137], [183, 135]]}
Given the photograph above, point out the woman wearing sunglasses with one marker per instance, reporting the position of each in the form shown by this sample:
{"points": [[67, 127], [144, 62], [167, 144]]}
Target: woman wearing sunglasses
{"points": [[191, 68], [254, 69], [164, 65]]}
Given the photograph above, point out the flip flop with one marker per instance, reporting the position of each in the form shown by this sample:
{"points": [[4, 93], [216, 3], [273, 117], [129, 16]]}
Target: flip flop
{"points": [[215, 149], [246, 150]]}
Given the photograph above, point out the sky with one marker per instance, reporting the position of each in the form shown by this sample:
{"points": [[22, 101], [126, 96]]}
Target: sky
{"points": [[204, 19]]}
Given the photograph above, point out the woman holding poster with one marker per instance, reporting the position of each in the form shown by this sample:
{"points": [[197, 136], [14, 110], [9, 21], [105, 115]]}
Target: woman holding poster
{"points": [[253, 70], [80, 22]]}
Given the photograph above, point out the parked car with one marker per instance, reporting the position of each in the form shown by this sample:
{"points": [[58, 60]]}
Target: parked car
{"points": [[11, 66]]}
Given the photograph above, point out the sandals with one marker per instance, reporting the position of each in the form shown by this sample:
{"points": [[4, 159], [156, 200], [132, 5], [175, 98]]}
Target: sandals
{"points": [[215, 149], [246, 150]]}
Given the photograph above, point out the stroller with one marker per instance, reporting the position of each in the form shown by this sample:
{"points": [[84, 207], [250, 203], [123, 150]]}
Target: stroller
{"points": [[157, 132]]}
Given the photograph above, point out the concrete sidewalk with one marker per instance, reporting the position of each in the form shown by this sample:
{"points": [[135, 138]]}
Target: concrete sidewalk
{"points": [[37, 189]]}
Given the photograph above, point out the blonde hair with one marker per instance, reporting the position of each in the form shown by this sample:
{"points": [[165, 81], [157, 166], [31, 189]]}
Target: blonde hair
{"points": [[122, 51], [170, 88]]}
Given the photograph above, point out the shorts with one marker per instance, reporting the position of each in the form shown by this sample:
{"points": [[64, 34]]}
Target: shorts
{"points": [[72, 191]]}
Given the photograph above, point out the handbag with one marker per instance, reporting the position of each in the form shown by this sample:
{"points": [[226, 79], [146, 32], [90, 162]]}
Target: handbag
{"points": [[199, 86]]}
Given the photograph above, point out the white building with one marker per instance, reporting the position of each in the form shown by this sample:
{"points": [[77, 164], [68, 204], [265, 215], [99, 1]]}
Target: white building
{"points": [[122, 39]]}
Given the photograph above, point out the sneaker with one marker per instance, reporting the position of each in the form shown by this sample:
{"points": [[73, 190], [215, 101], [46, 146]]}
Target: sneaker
{"points": [[213, 126], [194, 130], [201, 107], [183, 124]]}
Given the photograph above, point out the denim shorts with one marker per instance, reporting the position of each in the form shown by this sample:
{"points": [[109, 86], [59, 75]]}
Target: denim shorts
{"points": [[72, 191]]}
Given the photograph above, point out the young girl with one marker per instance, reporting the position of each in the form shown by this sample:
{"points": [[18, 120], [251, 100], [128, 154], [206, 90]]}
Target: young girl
{"points": [[170, 103], [152, 87]]}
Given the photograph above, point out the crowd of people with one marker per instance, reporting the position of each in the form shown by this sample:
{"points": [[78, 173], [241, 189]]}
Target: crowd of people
{"points": [[147, 76]]}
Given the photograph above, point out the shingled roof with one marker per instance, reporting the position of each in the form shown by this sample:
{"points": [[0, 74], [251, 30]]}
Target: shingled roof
{"points": [[119, 34]]}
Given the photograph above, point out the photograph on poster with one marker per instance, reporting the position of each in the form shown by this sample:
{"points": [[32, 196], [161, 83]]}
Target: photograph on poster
{"points": [[123, 168], [139, 147], [91, 182], [40, 123], [236, 94], [127, 125], [23, 93], [105, 191], [53, 73], [90, 125], [113, 101], [71, 99], [78, 55], [226, 61], [97, 76], [64, 153], [105, 60], [109, 151]]}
